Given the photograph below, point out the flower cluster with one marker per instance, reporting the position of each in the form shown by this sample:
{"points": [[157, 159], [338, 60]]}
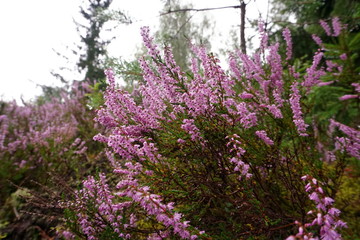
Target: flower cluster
{"points": [[296, 109], [240, 165], [190, 128], [337, 27], [326, 216], [350, 142], [210, 138], [287, 37], [41, 128], [151, 203], [263, 136], [105, 211]]}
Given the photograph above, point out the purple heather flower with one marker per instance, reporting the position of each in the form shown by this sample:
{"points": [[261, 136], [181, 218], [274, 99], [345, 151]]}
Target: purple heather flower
{"points": [[318, 40], [343, 56], [296, 109], [348, 96], [263, 136], [337, 26], [326, 27], [287, 36]]}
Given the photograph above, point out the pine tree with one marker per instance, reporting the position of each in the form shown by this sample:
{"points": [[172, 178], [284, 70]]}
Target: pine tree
{"points": [[95, 47]]}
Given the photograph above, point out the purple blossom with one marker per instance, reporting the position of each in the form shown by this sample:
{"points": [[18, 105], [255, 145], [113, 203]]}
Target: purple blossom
{"points": [[313, 74], [275, 111], [296, 109], [350, 143], [240, 165], [348, 96], [318, 40], [189, 126], [246, 95], [325, 215], [343, 56], [263, 35], [263, 136], [337, 26], [148, 42], [326, 27], [320, 84], [356, 86], [287, 36]]}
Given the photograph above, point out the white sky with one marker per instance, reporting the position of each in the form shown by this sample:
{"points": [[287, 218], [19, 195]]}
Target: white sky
{"points": [[31, 29]]}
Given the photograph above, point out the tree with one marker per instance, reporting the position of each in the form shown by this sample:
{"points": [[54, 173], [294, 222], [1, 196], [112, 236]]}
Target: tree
{"points": [[177, 27], [95, 47]]}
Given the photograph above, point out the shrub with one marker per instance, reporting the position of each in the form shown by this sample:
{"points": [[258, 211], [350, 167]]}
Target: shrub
{"points": [[215, 154]]}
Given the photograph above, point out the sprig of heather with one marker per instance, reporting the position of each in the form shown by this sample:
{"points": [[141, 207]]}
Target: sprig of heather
{"points": [[314, 72], [287, 36], [296, 109], [326, 27], [235, 147], [326, 216], [264, 38], [274, 60], [189, 126], [263, 136], [104, 212], [352, 96], [351, 141], [337, 26], [317, 40], [148, 41], [152, 203]]}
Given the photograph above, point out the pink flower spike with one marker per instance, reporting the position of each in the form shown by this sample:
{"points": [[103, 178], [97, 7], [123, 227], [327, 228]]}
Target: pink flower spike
{"points": [[263, 136], [287, 36], [343, 56], [296, 109], [337, 26], [246, 95], [318, 40], [328, 201], [304, 177], [347, 97], [356, 86], [181, 141], [320, 84], [326, 27]]}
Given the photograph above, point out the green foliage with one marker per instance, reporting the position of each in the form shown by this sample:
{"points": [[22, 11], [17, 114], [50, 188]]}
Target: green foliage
{"points": [[307, 16], [96, 98], [128, 71]]}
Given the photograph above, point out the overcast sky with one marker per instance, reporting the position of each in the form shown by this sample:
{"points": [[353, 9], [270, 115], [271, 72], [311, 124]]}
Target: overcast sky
{"points": [[30, 30]]}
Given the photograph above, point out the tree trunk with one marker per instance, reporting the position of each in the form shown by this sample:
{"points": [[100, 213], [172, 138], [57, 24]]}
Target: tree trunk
{"points": [[242, 27]]}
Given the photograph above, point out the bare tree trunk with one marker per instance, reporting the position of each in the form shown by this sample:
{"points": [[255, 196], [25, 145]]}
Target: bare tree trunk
{"points": [[242, 27]]}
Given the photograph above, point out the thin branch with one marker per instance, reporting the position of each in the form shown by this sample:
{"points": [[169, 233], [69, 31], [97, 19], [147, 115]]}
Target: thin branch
{"points": [[197, 9]]}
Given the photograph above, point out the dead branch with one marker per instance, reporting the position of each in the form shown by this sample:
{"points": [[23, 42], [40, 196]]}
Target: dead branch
{"points": [[197, 9]]}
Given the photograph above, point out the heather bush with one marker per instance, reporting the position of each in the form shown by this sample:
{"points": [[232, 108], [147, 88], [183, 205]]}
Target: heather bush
{"points": [[220, 154], [38, 141], [267, 149]]}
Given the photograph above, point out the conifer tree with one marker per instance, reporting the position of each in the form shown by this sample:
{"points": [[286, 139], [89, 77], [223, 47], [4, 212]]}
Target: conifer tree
{"points": [[95, 47]]}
